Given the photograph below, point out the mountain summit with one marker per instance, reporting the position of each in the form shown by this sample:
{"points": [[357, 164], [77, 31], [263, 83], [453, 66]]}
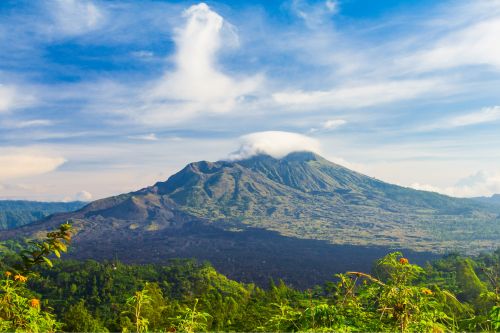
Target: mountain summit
{"points": [[307, 196], [241, 208]]}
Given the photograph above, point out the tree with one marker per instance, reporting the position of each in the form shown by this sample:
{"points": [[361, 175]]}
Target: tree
{"points": [[20, 310], [78, 319]]}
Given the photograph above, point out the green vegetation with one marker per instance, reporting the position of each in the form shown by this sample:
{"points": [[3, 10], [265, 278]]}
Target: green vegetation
{"points": [[494, 199], [20, 310], [40, 294], [16, 213], [301, 195], [297, 218], [304, 195]]}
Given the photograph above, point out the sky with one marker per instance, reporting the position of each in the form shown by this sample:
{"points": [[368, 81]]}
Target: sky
{"points": [[99, 98]]}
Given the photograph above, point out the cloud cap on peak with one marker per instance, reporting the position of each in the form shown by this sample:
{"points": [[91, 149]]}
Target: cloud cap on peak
{"points": [[277, 144]]}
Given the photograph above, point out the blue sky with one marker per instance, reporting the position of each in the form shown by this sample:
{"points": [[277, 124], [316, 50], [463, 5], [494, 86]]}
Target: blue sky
{"points": [[103, 97]]}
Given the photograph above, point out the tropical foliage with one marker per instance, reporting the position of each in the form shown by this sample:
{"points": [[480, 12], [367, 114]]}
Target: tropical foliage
{"points": [[20, 309], [41, 295]]}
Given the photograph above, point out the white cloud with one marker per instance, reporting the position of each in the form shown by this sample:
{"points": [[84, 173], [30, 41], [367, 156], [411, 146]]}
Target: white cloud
{"points": [[476, 44], [11, 98], [275, 143], [486, 115], [439, 42], [33, 123], [7, 98], [75, 17], [145, 137], [478, 184], [314, 15], [332, 6], [83, 196], [329, 125], [26, 164], [364, 95], [143, 54], [333, 123], [196, 85]]}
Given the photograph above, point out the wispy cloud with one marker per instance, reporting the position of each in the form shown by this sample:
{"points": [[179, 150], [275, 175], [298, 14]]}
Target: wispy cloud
{"points": [[362, 95], [475, 43], [7, 98], [74, 17], [31, 123], [145, 137], [314, 14], [333, 123], [484, 116], [138, 72], [329, 125], [12, 98]]}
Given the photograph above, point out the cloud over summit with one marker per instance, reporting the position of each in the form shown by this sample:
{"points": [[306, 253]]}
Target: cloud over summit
{"points": [[274, 143], [405, 91]]}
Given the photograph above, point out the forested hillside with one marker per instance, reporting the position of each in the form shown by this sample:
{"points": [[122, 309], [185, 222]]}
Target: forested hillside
{"points": [[38, 293], [248, 209], [16, 213], [494, 199]]}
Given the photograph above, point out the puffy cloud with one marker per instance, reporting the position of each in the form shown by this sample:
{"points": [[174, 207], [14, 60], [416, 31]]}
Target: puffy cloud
{"points": [[75, 17], [83, 196], [26, 164], [478, 184], [196, 85], [275, 143]]}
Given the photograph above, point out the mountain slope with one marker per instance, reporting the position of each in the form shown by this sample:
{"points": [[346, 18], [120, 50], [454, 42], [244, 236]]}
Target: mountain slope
{"points": [[494, 199], [306, 196], [301, 215], [16, 213]]}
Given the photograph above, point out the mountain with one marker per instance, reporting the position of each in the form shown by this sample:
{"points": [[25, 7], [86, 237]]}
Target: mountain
{"points": [[303, 195], [494, 199], [16, 213], [301, 216]]}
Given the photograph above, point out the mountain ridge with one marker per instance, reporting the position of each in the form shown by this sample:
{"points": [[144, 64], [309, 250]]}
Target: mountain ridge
{"points": [[234, 213], [311, 195], [15, 213], [493, 199], [263, 187]]}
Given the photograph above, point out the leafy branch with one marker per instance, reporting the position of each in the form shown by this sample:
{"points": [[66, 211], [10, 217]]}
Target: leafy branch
{"points": [[55, 243]]}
